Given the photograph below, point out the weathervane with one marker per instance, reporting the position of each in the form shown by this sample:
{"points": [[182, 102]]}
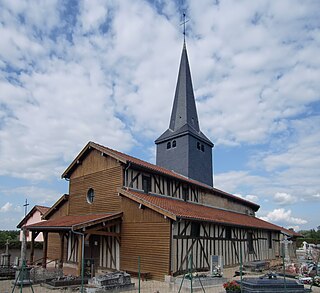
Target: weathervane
{"points": [[184, 26]]}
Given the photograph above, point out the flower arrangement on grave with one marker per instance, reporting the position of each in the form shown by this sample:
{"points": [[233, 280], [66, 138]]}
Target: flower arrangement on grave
{"points": [[232, 286]]}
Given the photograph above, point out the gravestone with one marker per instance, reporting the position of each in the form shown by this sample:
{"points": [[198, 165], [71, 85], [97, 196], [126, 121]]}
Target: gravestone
{"points": [[256, 265], [271, 283], [110, 281], [216, 266], [5, 257]]}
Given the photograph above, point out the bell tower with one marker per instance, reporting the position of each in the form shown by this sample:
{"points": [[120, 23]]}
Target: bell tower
{"points": [[183, 148]]}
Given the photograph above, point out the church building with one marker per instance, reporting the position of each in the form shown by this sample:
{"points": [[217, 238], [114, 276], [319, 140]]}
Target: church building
{"points": [[120, 208]]}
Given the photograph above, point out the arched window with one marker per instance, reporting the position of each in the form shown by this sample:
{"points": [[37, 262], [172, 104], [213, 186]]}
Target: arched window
{"points": [[168, 145], [198, 145], [90, 195], [174, 144]]}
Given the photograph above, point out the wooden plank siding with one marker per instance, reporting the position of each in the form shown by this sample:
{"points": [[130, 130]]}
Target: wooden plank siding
{"points": [[213, 240], [94, 162], [54, 238], [104, 184], [145, 233]]}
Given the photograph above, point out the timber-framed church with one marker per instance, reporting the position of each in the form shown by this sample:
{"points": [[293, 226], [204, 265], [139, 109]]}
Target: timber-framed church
{"points": [[119, 207]]}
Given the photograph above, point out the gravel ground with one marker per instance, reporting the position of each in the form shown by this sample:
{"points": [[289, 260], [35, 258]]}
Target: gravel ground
{"points": [[146, 287]]}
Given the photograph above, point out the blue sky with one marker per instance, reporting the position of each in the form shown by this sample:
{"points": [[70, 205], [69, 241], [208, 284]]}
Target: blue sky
{"points": [[105, 71]]}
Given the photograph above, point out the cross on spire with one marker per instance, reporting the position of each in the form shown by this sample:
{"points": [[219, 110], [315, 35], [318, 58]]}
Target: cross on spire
{"points": [[184, 26], [25, 207]]}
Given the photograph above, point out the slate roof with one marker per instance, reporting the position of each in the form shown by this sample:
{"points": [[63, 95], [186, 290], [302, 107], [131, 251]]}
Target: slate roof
{"points": [[184, 117], [73, 222], [42, 210], [179, 209], [124, 158]]}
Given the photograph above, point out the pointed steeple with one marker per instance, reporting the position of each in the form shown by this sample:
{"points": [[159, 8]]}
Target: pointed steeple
{"points": [[184, 109], [184, 117], [183, 147]]}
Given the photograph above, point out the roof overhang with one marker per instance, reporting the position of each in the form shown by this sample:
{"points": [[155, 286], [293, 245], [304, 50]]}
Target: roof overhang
{"points": [[147, 204], [74, 223], [79, 158]]}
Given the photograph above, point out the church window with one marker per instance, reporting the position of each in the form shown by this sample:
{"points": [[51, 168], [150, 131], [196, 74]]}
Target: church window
{"points": [[250, 242], [169, 145], [198, 145], [146, 183], [174, 144], [228, 233], [195, 229], [90, 195], [202, 147]]}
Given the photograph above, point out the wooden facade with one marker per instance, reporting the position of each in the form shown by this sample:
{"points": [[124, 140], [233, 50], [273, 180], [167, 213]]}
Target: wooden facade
{"points": [[145, 234], [163, 241]]}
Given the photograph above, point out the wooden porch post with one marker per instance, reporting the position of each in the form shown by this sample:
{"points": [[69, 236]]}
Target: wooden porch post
{"points": [[45, 249], [34, 234], [61, 249], [80, 239]]}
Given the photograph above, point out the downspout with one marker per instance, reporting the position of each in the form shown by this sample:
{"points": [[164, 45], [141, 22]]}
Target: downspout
{"points": [[82, 256], [126, 175]]}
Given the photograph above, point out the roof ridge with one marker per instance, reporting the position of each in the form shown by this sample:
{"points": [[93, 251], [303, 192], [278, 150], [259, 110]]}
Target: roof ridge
{"points": [[175, 174]]}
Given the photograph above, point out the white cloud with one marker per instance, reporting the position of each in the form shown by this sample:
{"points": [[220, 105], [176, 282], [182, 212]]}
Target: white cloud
{"points": [[39, 195], [284, 198], [249, 197], [7, 207], [281, 216]]}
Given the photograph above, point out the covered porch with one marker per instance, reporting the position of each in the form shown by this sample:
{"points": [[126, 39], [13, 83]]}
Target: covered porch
{"points": [[69, 239]]}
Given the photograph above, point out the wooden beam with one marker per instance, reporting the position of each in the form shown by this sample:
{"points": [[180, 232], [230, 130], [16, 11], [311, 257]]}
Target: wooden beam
{"points": [[61, 234], [80, 239], [157, 183], [104, 233], [111, 224], [187, 254], [185, 228], [177, 186], [134, 179], [45, 249], [34, 234]]}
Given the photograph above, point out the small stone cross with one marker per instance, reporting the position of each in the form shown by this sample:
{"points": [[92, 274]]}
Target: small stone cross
{"points": [[7, 247], [286, 243]]}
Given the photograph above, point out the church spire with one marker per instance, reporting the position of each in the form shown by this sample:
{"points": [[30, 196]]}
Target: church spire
{"points": [[184, 109], [183, 147]]}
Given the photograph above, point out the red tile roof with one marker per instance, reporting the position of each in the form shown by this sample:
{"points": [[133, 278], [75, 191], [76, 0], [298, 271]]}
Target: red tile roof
{"points": [[42, 210], [69, 222], [175, 208], [127, 158]]}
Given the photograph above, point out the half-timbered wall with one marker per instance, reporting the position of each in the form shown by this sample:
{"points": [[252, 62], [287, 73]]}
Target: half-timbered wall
{"points": [[104, 183], [162, 185], [73, 246], [145, 233], [175, 188], [110, 250], [213, 239]]}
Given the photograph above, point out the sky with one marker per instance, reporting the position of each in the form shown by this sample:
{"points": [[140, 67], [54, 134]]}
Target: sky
{"points": [[105, 71]]}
